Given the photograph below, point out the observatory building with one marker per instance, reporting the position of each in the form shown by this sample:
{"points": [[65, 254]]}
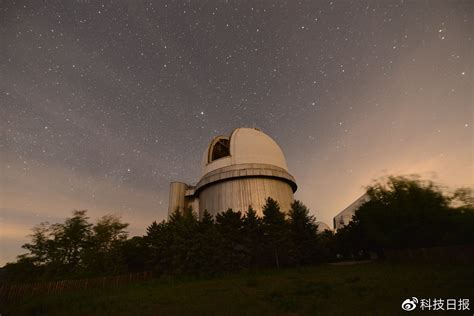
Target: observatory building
{"points": [[322, 227], [345, 216], [237, 171]]}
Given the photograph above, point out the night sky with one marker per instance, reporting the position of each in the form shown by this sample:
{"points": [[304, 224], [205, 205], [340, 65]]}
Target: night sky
{"points": [[104, 103]]}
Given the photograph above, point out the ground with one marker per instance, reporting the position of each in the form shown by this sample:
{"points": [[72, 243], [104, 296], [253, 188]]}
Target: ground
{"points": [[354, 289]]}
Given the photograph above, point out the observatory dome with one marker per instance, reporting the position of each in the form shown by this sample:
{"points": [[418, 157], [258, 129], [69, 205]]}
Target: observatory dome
{"points": [[243, 146], [322, 227], [237, 171]]}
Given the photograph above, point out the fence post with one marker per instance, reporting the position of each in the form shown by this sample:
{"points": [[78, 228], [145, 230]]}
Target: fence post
{"points": [[14, 291]]}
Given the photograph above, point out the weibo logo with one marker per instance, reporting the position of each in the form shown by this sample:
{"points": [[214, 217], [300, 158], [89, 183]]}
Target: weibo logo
{"points": [[409, 304]]}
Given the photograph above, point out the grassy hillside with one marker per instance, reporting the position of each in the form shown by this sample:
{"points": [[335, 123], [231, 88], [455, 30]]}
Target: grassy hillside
{"points": [[372, 288]]}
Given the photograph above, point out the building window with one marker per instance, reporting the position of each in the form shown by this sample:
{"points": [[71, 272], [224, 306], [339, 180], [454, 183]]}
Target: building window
{"points": [[219, 149]]}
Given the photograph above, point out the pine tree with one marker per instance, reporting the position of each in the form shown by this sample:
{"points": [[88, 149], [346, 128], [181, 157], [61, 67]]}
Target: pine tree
{"points": [[207, 246], [252, 238], [303, 234], [275, 231], [182, 249], [229, 226], [158, 240]]}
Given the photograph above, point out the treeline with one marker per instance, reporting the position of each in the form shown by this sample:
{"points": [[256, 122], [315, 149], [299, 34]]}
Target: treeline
{"points": [[233, 241], [75, 248], [181, 245], [400, 213], [404, 213]]}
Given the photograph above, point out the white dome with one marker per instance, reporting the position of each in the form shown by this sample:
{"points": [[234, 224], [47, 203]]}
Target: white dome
{"points": [[322, 227], [245, 145]]}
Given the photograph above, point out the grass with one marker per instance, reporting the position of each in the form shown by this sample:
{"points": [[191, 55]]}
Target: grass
{"points": [[361, 289]]}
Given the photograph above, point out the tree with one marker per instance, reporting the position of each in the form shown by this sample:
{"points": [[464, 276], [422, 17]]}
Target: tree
{"points": [[39, 246], [22, 270], [252, 236], [406, 212], [208, 245], [136, 254], [158, 240], [350, 242], [59, 247], [183, 226], [275, 233], [70, 240], [461, 218], [302, 233], [327, 246], [463, 199], [229, 226], [76, 247], [104, 252]]}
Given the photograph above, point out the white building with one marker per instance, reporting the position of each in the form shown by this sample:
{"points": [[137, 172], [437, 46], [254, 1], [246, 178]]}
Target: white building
{"points": [[322, 227], [345, 216], [238, 171]]}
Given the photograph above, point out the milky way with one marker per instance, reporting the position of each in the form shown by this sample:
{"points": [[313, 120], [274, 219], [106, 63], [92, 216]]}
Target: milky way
{"points": [[104, 103]]}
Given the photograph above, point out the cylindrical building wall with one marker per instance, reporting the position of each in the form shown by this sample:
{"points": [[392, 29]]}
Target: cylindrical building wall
{"points": [[240, 193], [177, 197]]}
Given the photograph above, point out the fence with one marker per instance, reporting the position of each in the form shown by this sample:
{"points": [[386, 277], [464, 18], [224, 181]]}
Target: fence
{"points": [[16, 291]]}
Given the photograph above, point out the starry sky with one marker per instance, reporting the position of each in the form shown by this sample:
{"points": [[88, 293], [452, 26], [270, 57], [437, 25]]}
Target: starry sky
{"points": [[103, 103]]}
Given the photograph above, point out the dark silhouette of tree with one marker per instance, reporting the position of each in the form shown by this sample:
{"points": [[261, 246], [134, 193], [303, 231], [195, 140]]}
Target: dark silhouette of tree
{"points": [[183, 226], [302, 233], [461, 219], [462, 199], [104, 251], [400, 213], [275, 230], [208, 246], [351, 242], [406, 212], [20, 271], [68, 243], [76, 247], [39, 252], [158, 240], [327, 247], [229, 226], [252, 238], [136, 254]]}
